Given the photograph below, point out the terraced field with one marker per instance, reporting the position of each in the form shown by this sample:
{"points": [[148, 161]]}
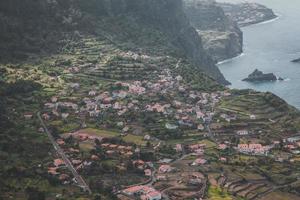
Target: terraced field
{"points": [[270, 111]]}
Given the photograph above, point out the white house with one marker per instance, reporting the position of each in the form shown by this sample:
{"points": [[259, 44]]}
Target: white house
{"points": [[242, 132]]}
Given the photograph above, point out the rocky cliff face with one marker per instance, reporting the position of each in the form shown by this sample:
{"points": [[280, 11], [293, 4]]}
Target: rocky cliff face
{"points": [[31, 22], [221, 37]]}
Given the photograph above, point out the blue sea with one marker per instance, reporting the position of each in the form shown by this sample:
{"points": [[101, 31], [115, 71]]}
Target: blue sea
{"points": [[270, 47]]}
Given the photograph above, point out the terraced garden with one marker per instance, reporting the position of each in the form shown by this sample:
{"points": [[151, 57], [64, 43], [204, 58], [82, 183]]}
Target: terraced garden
{"points": [[270, 112]]}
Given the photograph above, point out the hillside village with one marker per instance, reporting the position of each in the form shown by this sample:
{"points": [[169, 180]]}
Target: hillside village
{"points": [[159, 137], [162, 131], [107, 119]]}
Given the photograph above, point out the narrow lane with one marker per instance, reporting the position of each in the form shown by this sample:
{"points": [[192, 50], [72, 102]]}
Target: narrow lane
{"points": [[80, 181]]}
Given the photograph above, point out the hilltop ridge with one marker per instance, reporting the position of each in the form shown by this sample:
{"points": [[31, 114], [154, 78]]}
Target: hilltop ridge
{"points": [[71, 19]]}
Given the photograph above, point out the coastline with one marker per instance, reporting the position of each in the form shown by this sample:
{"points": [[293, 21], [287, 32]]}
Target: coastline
{"points": [[230, 59], [278, 16]]}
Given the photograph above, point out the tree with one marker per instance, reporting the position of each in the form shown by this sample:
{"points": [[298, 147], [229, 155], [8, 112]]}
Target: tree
{"points": [[148, 144], [97, 197], [34, 194]]}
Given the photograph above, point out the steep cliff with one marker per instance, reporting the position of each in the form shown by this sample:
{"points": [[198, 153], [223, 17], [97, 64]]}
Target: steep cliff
{"points": [[32, 23], [221, 37]]}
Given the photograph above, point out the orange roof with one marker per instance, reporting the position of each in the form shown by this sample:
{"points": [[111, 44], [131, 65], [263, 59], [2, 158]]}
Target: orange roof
{"points": [[139, 162], [94, 157], [133, 189], [105, 145], [164, 168], [52, 170], [148, 189], [58, 162]]}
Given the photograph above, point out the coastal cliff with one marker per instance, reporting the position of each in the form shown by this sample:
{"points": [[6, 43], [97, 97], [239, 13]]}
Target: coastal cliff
{"points": [[248, 13], [222, 38], [30, 22]]}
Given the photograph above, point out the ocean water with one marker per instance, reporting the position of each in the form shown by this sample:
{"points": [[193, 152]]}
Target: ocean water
{"points": [[270, 46]]}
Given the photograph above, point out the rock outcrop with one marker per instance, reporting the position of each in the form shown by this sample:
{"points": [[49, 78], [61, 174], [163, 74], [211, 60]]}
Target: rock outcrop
{"points": [[248, 13], [31, 22], [222, 38], [259, 76], [296, 60]]}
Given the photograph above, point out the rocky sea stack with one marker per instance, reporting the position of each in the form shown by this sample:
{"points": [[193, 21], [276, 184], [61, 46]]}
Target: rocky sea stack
{"points": [[296, 60], [258, 76]]}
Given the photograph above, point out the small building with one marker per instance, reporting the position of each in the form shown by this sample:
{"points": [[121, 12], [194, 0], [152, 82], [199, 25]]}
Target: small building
{"points": [[200, 127]]}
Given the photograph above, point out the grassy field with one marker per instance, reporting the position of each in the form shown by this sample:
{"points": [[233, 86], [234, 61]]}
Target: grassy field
{"points": [[134, 139], [86, 147], [215, 193], [98, 132], [208, 143], [130, 138]]}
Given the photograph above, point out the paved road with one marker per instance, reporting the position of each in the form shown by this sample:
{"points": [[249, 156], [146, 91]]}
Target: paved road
{"points": [[61, 153], [210, 133]]}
